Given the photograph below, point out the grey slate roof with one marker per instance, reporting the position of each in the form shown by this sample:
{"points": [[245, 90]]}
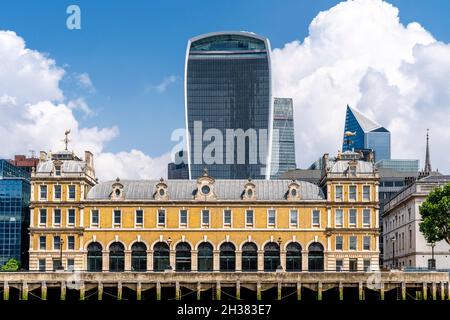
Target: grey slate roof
{"points": [[69, 166], [225, 189], [361, 167]]}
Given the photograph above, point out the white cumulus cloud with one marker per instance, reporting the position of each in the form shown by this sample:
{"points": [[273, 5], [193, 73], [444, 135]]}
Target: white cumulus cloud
{"points": [[84, 80], [359, 53], [34, 115]]}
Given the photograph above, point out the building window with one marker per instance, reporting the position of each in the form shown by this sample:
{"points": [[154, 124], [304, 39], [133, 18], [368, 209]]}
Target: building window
{"points": [[94, 218], [339, 242], [57, 192], [43, 217], [227, 218], [70, 264], [366, 193], [352, 243], [366, 263], [352, 218], [183, 218], [353, 265], [352, 193], [41, 265], [366, 218], [410, 239], [339, 218], [339, 194], [293, 218], [57, 217], [205, 257], [42, 243], [271, 217], [94, 257], [205, 218], [366, 243], [71, 192], [117, 218], [71, 217], [56, 243], [43, 192], [161, 218], [339, 265], [316, 218], [249, 218], [139, 256], [409, 214], [58, 171], [70, 243], [139, 218]]}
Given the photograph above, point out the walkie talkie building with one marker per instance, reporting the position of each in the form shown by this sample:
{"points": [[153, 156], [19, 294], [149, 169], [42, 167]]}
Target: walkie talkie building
{"points": [[228, 87]]}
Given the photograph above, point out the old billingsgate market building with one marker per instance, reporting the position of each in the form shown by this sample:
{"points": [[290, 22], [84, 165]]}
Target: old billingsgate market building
{"points": [[203, 224]]}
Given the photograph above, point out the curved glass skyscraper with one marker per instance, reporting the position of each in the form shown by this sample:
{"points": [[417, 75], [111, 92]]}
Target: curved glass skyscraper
{"points": [[228, 101]]}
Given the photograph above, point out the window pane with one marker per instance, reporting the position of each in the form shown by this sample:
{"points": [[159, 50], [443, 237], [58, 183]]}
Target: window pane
{"points": [[43, 192], [71, 218], [161, 217], [352, 192], [71, 192], [249, 217], [352, 245], [205, 217], [71, 242], [43, 216], [339, 243], [117, 217], [139, 216], [57, 216], [316, 218], [339, 217], [293, 217], [271, 218], [183, 217], [56, 242], [227, 217], [366, 192], [352, 217], [94, 216], [339, 192], [57, 191]]}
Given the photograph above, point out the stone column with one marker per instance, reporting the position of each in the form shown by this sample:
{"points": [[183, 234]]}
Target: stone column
{"points": [[258, 291], [360, 291], [319, 291], [105, 260], [172, 259], [194, 260], [100, 291], [149, 260], [216, 260], [158, 290], [442, 290], [6, 291], [82, 216], [424, 290], [82, 290], [238, 290], [199, 291], [304, 260], [433, 290], [24, 291], [138, 291], [63, 290], [44, 290], [341, 291], [283, 259], [382, 291], [403, 290], [218, 291], [238, 260], [127, 260], [260, 260], [119, 290], [299, 291], [279, 288], [177, 291]]}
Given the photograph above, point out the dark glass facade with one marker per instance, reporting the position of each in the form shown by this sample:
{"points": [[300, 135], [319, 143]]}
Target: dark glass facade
{"points": [[283, 141], [14, 213], [228, 86]]}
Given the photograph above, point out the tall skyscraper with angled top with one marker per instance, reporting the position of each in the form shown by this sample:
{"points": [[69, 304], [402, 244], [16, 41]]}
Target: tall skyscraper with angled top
{"points": [[367, 135], [228, 88]]}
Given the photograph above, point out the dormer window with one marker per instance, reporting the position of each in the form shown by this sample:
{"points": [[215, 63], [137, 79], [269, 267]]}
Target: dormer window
{"points": [[58, 171], [117, 190], [205, 187], [249, 190], [293, 192], [161, 190], [206, 190]]}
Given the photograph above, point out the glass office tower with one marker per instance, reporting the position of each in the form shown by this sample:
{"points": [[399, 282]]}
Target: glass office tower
{"points": [[228, 87], [283, 141], [369, 135], [14, 213]]}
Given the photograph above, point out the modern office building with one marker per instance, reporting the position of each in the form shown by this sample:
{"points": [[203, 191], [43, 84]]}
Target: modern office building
{"points": [[24, 162], [14, 213], [400, 165], [178, 169], [283, 141], [367, 135], [205, 224], [228, 92]]}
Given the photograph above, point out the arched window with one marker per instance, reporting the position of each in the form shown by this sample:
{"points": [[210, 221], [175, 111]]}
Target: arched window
{"points": [[271, 256], [249, 257], [205, 257], [94, 257], [116, 257], [227, 257], [160, 256], [315, 257], [183, 257], [293, 257], [138, 257]]}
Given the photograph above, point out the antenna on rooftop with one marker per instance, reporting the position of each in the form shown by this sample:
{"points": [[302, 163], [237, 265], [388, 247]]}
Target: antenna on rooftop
{"points": [[66, 139]]}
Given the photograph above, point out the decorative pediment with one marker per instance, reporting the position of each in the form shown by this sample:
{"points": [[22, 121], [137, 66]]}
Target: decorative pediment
{"points": [[161, 191], [117, 190], [249, 192], [293, 192], [205, 187]]}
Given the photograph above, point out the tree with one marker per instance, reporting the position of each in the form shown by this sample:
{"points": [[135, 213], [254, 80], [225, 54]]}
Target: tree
{"points": [[11, 265], [435, 212]]}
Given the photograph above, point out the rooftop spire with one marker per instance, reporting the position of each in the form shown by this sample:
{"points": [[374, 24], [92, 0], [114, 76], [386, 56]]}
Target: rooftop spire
{"points": [[427, 155]]}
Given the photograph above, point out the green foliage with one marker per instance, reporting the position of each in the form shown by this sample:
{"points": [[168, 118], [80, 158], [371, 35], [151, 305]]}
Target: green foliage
{"points": [[11, 265], [435, 212]]}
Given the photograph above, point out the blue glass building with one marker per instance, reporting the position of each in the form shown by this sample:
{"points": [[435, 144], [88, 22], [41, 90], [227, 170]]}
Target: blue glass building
{"points": [[228, 87], [402, 165], [283, 141], [14, 213], [369, 135]]}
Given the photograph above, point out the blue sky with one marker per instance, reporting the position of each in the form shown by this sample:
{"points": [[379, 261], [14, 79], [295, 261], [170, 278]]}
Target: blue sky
{"points": [[129, 47]]}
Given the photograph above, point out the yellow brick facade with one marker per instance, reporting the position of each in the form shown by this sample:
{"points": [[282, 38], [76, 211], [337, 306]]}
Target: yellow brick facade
{"points": [[349, 245]]}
